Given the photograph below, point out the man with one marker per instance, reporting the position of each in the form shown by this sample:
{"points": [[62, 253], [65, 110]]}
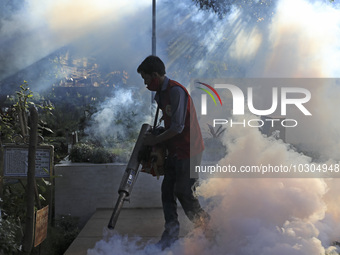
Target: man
{"points": [[180, 120]]}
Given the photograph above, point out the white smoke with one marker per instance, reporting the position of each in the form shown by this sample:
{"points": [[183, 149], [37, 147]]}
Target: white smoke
{"points": [[303, 42], [285, 216], [118, 118], [311, 40], [267, 216], [38, 28]]}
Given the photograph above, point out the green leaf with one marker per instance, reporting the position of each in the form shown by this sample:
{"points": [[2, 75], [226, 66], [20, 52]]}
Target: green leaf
{"points": [[48, 130], [41, 197], [47, 183]]}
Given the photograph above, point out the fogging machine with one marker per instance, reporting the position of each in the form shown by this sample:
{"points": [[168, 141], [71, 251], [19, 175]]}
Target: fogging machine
{"points": [[140, 153]]}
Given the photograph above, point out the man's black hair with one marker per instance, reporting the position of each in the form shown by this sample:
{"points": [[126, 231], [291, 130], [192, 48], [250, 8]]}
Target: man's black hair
{"points": [[152, 64]]}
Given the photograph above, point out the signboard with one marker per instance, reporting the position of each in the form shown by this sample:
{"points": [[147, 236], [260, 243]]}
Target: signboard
{"points": [[41, 223], [16, 160]]}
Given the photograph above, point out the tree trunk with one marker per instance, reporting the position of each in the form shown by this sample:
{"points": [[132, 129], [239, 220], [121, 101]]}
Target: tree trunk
{"points": [[30, 189]]}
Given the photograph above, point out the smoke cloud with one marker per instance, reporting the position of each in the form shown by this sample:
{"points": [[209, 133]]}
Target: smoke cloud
{"points": [[267, 216], [35, 29], [118, 118]]}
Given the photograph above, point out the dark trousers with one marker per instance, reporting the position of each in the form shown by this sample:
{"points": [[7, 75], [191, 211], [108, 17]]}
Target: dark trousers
{"points": [[178, 184]]}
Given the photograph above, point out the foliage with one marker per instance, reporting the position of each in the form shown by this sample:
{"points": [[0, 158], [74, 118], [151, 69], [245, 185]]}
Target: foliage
{"points": [[258, 9], [9, 229], [216, 133], [60, 236], [83, 152], [214, 148], [15, 119], [6, 127], [217, 6], [64, 112], [122, 152], [101, 155], [14, 200], [14, 210], [67, 231], [87, 152], [59, 144]]}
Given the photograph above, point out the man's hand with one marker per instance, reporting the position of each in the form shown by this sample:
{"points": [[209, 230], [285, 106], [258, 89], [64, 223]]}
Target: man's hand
{"points": [[149, 139]]}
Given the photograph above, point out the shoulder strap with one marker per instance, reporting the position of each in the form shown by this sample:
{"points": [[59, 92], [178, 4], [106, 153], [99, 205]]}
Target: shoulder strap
{"points": [[156, 118], [157, 111]]}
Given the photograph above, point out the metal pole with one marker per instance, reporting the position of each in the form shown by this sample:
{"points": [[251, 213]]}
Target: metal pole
{"points": [[153, 41], [154, 27], [1, 176]]}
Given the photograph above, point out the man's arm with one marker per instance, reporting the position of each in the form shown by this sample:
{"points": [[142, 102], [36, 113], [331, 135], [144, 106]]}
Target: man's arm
{"points": [[179, 101]]}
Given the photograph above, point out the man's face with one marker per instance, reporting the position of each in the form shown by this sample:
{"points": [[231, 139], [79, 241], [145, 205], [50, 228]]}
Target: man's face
{"points": [[152, 81], [147, 78]]}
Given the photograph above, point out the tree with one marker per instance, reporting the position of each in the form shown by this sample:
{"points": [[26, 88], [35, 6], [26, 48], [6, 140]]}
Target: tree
{"points": [[220, 7], [257, 8]]}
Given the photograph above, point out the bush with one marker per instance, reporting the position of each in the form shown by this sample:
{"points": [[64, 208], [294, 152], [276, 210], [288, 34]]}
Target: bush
{"points": [[61, 235], [83, 152], [101, 155], [9, 230]]}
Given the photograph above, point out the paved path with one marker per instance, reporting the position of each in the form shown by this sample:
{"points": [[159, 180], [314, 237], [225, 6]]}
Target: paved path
{"points": [[146, 223]]}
